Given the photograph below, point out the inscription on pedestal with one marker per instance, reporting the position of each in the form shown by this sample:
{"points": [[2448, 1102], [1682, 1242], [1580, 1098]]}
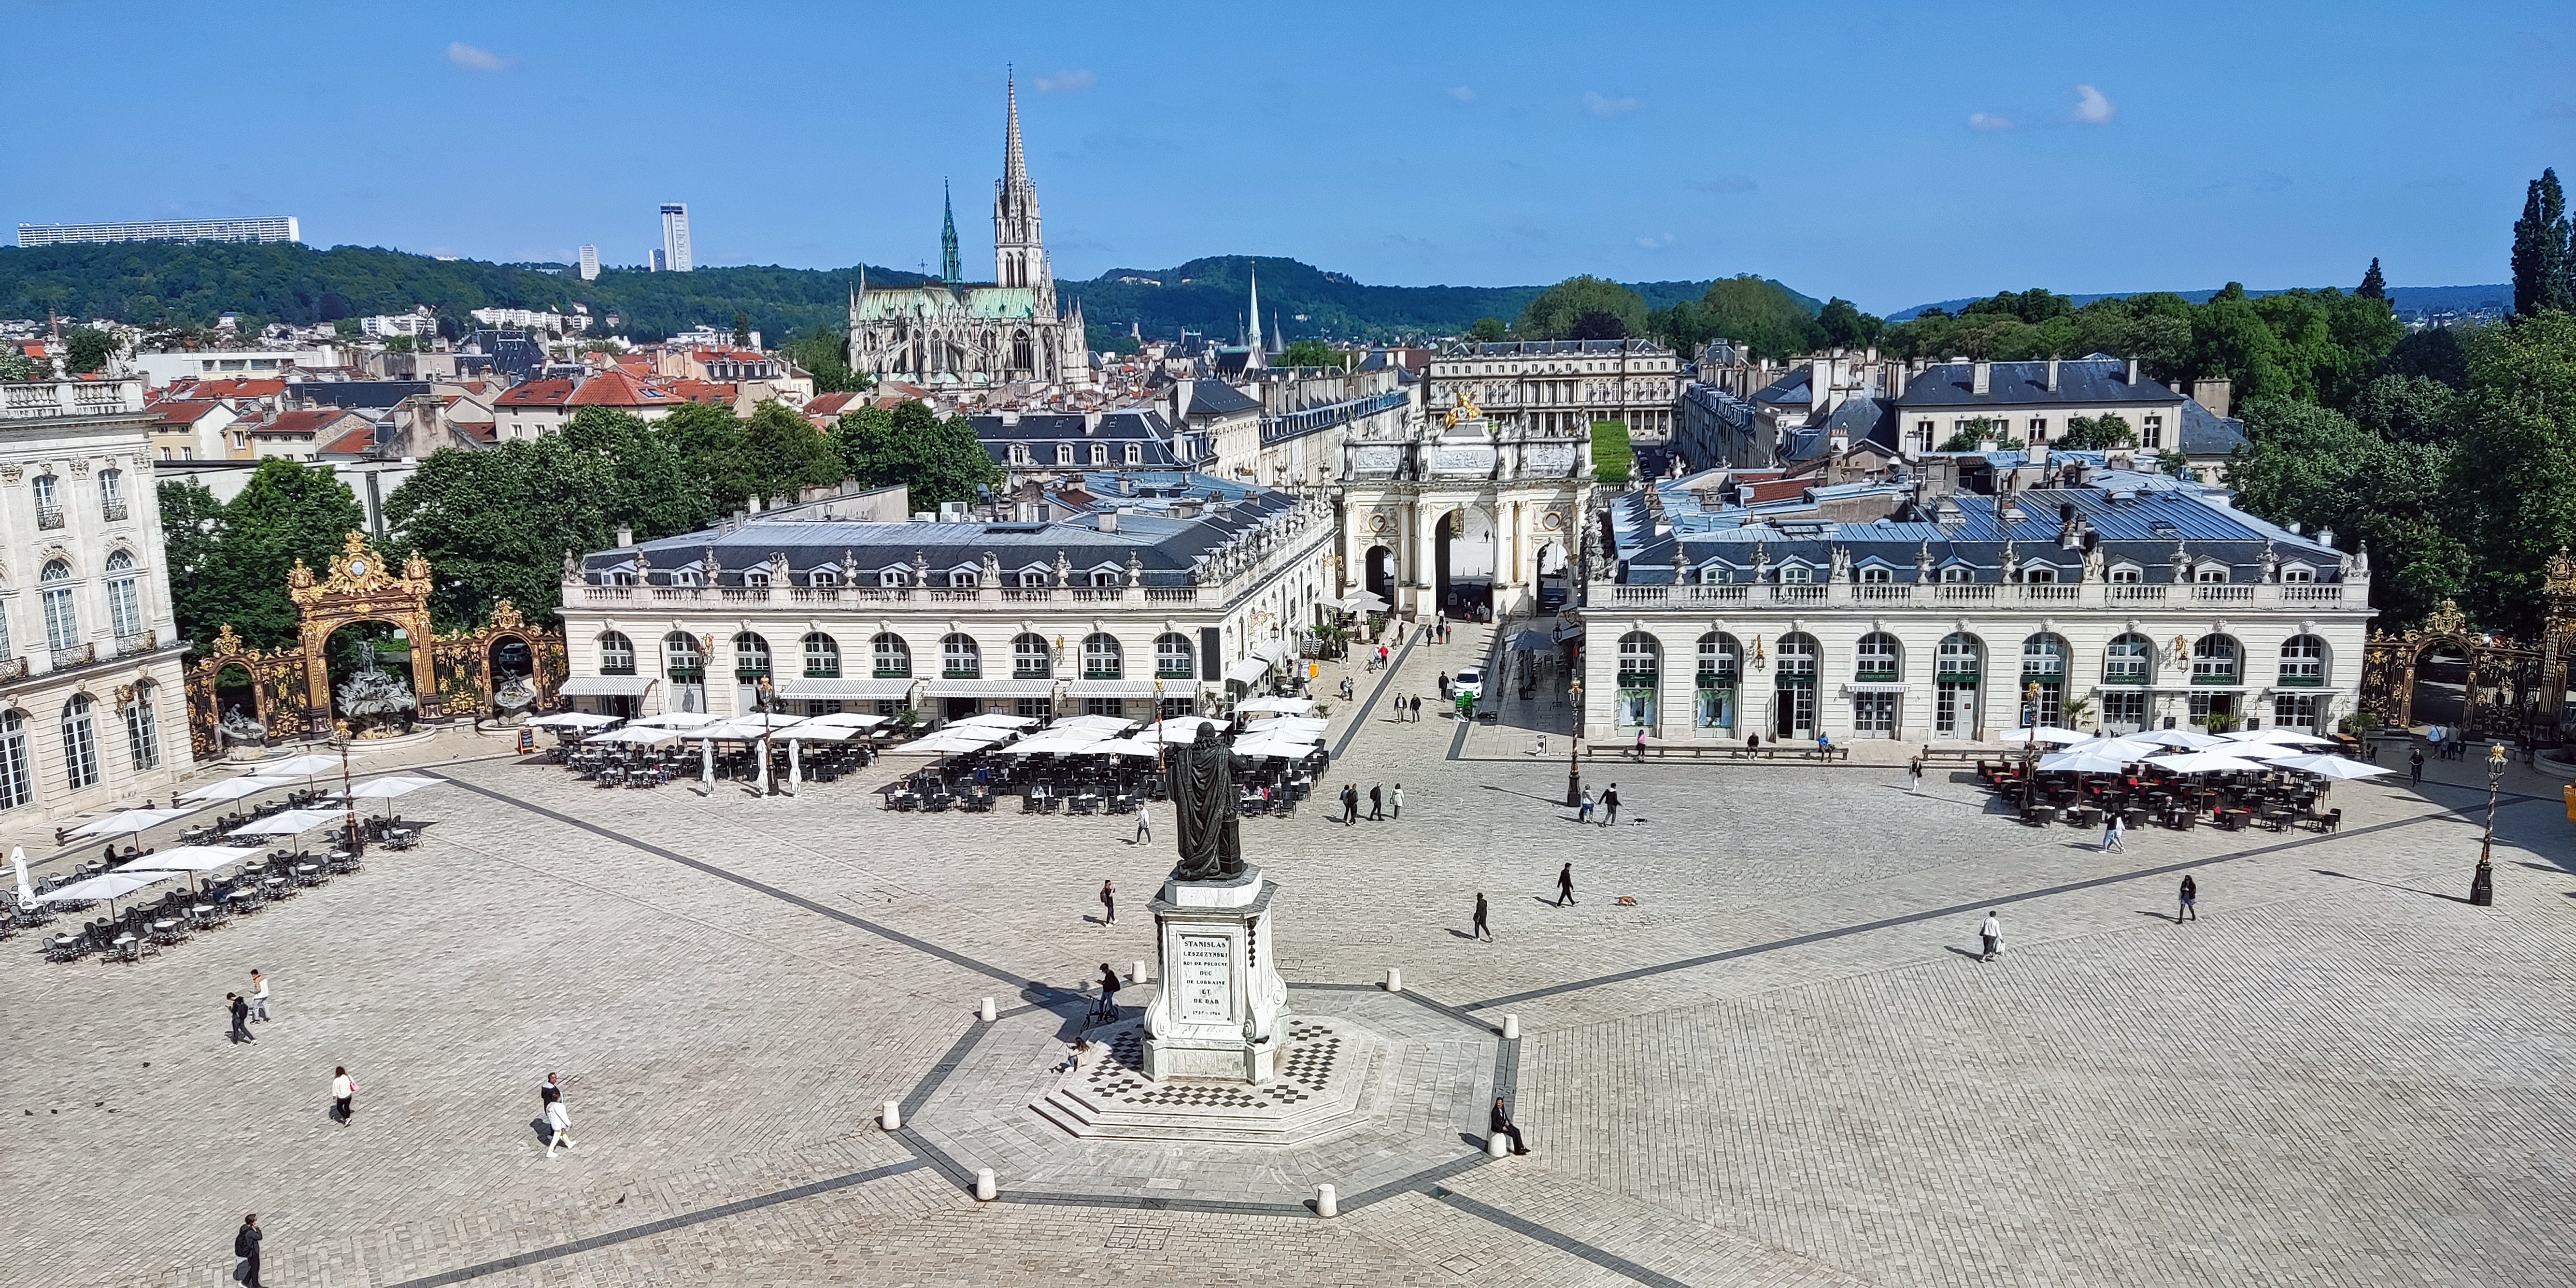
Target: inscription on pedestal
{"points": [[1207, 978]]}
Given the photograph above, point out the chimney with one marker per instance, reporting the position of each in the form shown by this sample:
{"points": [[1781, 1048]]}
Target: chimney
{"points": [[2052, 375], [2215, 393], [1981, 378], [625, 535], [2037, 455], [2133, 371], [1820, 381], [1109, 520]]}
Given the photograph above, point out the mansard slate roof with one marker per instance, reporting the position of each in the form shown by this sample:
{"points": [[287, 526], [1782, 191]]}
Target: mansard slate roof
{"points": [[1858, 420], [2137, 518], [2206, 433], [1551, 348], [1164, 544], [1041, 431], [1217, 398], [2081, 382]]}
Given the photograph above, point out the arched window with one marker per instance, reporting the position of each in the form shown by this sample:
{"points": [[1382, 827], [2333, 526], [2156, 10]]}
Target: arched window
{"points": [[822, 656], [2303, 661], [1876, 658], [1958, 664], [1797, 656], [616, 654], [1962, 658], [2043, 663], [17, 781], [1641, 659], [124, 596], [1793, 682], [1714, 575], [1031, 657], [750, 658], [1721, 664], [1102, 659], [892, 658], [2213, 660], [1172, 657], [80, 743], [62, 617], [681, 660], [959, 658], [2131, 659], [142, 726]]}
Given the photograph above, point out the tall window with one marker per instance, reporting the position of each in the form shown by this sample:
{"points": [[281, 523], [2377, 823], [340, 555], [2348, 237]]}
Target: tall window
{"points": [[2303, 661], [1102, 659], [49, 500], [62, 618], [1031, 658], [1172, 657], [142, 730], [2043, 663], [1641, 659], [822, 656], [681, 659], [111, 494], [1714, 685], [892, 657], [17, 784], [2129, 660], [80, 743], [2213, 660], [124, 599], [1875, 658], [959, 658], [750, 658], [616, 654]]}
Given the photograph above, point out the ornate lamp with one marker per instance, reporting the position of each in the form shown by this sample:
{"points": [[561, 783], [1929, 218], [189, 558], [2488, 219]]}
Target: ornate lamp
{"points": [[2482, 885]]}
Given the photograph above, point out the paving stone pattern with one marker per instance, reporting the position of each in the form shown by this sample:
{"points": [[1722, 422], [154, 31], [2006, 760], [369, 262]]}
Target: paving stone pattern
{"points": [[2342, 1074]]}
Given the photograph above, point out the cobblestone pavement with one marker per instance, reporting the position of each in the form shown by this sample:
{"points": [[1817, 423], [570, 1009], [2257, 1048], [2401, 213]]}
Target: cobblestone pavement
{"points": [[1781, 1066]]}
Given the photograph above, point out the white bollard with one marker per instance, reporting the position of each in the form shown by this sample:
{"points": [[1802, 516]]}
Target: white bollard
{"points": [[984, 1187], [1327, 1203], [892, 1117], [1496, 1145], [1511, 1028], [988, 1011], [1135, 972], [1394, 980]]}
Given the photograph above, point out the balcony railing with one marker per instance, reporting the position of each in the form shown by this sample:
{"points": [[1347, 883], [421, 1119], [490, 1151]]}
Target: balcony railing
{"points": [[2125, 592], [14, 668], [1989, 594], [49, 516], [77, 655], [137, 642], [2223, 594], [112, 511]]}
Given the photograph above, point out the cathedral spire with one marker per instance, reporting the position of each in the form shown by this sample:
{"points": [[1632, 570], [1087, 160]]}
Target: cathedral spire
{"points": [[1019, 252], [949, 269], [1015, 165], [1252, 324]]}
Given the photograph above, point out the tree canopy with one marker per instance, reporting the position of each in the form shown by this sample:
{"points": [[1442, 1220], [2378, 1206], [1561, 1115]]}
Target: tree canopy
{"points": [[1759, 315], [2541, 279], [1314, 353], [228, 562], [1559, 310], [939, 460]]}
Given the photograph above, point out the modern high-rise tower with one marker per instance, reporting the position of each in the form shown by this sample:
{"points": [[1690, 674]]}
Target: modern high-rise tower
{"points": [[590, 263], [675, 237]]}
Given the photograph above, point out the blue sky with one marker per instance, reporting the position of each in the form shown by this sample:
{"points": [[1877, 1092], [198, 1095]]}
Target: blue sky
{"points": [[1892, 154]]}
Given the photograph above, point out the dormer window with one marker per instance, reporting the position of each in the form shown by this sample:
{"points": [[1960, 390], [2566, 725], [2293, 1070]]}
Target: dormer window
{"points": [[1955, 575], [1796, 575], [684, 577], [1135, 453], [894, 577], [1713, 575], [2210, 575], [961, 580], [757, 578], [2300, 573], [1032, 579], [2039, 576], [1019, 453], [822, 577], [1064, 453], [1875, 576], [1104, 580], [1100, 453], [2126, 575]]}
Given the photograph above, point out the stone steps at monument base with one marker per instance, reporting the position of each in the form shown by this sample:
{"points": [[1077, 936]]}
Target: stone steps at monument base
{"points": [[1236, 1128]]}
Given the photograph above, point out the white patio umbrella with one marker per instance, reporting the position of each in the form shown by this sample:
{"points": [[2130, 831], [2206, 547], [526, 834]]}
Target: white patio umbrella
{"points": [[2332, 766], [18, 860], [1176, 729], [1365, 601], [1292, 748], [304, 766], [845, 720], [769, 720], [191, 859], [2278, 735], [1291, 724], [993, 720], [2184, 738], [2203, 762], [1118, 747], [1106, 724], [2087, 762], [2133, 748], [293, 822], [2044, 733], [1279, 705], [2265, 751], [571, 720], [812, 732], [633, 736], [385, 789], [111, 887], [127, 820], [233, 789], [675, 720], [949, 742]]}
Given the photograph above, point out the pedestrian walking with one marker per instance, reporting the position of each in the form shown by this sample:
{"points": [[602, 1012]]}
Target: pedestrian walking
{"points": [[1350, 804], [2415, 768], [1586, 815], [1914, 776], [1500, 1123], [1565, 885], [246, 1247], [1641, 746], [1399, 802], [1481, 930], [1377, 803], [558, 1118], [1610, 805], [1108, 903], [2113, 828], [258, 997], [1108, 1007], [1993, 933], [1444, 686], [240, 1007], [344, 1095], [1144, 823], [2190, 909]]}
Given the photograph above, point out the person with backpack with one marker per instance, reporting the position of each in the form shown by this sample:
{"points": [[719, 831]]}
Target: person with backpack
{"points": [[246, 1246]]}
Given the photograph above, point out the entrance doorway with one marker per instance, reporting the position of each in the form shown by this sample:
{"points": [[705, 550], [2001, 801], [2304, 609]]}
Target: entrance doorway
{"points": [[2441, 686], [1380, 576], [1874, 715]]}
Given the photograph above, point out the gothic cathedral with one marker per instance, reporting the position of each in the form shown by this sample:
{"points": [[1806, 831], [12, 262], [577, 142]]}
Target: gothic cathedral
{"points": [[953, 333]]}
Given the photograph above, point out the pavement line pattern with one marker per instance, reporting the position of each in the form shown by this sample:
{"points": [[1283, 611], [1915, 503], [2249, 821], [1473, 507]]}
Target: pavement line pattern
{"points": [[1954, 910], [884, 932], [663, 1226], [1359, 718], [1610, 1261]]}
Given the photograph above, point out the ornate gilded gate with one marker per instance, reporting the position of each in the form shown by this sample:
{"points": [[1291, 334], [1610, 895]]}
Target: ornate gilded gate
{"points": [[2511, 689]]}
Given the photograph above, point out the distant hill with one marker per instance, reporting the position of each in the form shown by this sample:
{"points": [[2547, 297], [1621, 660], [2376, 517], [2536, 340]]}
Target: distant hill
{"points": [[191, 283], [2404, 299]]}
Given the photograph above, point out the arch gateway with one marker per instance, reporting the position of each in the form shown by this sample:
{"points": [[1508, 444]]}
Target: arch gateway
{"points": [[504, 664], [2485, 685]]}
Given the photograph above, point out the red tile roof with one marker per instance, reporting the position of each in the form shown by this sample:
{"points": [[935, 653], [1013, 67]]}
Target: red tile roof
{"points": [[832, 404], [301, 422], [240, 387], [536, 393], [355, 441], [705, 391], [184, 411], [616, 388]]}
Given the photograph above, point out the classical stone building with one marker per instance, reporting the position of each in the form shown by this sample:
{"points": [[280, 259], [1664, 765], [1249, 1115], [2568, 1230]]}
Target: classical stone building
{"points": [[1172, 591], [1963, 601], [1005, 331], [1455, 512], [91, 701], [1562, 386]]}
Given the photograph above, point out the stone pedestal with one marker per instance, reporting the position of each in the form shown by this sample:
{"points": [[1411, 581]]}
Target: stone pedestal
{"points": [[1220, 1010]]}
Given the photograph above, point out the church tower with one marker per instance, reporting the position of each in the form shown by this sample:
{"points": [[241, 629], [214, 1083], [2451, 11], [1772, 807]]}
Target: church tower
{"points": [[949, 269], [1019, 254]]}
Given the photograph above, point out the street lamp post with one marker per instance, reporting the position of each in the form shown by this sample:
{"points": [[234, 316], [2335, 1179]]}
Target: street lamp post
{"points": [[2482, 886], [2029, 742], [1574, 737]]}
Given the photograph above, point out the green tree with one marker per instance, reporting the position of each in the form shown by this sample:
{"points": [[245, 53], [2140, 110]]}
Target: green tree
{"points": [[2515, 472], [229, 562], [1846, 326], [1313, 353], [935, 460], [2306, 464], [2435, 352], [2373, 285], [786, 453], [17, 367], [1599, 324], [709, 441], [1758, 315], [1552, 315], [2097, 433], [824, 355], [2540, 280], [1486, 330], [91, 349], [401, 344], [2036, 305], [203, 594], [741, 328], [2408, 410]]}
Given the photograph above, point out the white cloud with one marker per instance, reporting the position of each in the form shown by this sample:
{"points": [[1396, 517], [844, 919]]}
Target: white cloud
{"points": [[1657, 243], [475, 59], [1600, 106], [2091, 108], [1462, 93], [1073, 82], [1988, 122]]}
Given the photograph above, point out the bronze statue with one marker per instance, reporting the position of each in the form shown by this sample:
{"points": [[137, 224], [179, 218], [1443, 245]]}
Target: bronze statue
{"points": [[1200, 777]]}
